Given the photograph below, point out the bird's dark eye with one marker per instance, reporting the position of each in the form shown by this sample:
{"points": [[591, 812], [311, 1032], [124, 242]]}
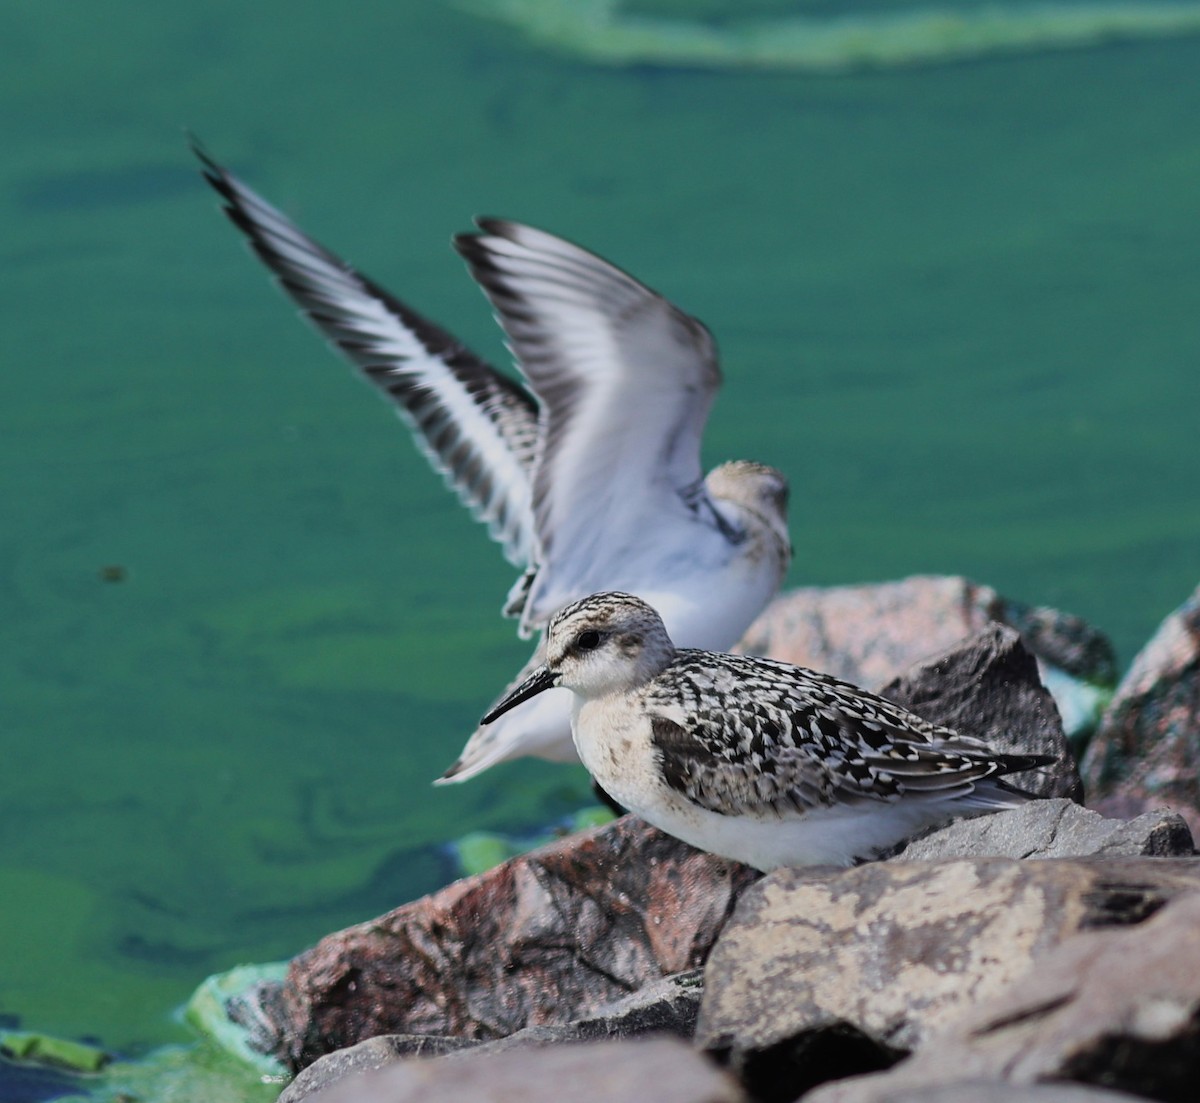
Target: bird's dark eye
{"points": [[588, 641]]}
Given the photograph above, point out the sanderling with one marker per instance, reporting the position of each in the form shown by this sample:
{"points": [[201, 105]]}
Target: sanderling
{"points": [[589, 475], [752, 759]]}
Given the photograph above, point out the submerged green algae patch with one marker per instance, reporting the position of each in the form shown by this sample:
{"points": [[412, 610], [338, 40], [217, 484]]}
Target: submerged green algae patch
{"points": [[199, 1073], [601, 31], [45, 1049], [479, 851], [207, 1012], [343, 638], [36, 1066], [219, 1064]]}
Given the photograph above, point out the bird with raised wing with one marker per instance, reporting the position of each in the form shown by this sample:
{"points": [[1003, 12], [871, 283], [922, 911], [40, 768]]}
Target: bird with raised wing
{"points": [[587, 471]]}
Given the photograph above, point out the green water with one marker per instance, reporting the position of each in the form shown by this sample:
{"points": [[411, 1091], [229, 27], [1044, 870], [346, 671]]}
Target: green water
{"points": [[960, 306]]}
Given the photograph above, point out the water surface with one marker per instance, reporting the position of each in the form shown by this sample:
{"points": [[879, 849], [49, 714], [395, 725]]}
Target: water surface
{"points": [[243, 626]]}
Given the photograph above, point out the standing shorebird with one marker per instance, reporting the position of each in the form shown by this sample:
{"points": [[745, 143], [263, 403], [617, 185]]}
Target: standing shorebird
{"points": [[589, 475], [752, 759]]}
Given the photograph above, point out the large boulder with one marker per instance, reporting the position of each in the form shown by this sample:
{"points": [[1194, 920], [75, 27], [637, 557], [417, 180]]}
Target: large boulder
{"points": [[539, 941], [1119, 1008], [819, 975], [1146, 753], [988, 686], [871, 633]]}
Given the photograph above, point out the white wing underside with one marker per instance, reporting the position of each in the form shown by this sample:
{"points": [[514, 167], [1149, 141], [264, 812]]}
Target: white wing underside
{"points": [[477, 428], [625, 382]]}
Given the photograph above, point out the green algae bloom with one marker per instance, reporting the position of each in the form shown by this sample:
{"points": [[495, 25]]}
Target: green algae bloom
{"points": [[600, 31]]}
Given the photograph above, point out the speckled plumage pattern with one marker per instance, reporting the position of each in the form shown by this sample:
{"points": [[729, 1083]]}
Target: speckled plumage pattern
{"points": [[760, 733], [759, 760]]}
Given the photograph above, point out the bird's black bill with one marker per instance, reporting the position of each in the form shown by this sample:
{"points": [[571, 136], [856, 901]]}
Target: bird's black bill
{"points": [[537, 682]]}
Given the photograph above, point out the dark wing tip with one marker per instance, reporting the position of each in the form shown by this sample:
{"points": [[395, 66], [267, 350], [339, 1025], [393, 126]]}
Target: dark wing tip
{"points": [[223, 183], [1015, 763], [501, 227], [472, 246], [213, 172]]}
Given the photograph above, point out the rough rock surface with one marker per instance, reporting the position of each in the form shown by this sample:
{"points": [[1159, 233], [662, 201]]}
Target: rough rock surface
{"points": [[366, 1056], [821, 975], [1146, 753], [1117, 1008], [541, 940], [982, 1091], [1054, 829], [869, 634], [663, 1069], [668, 1006], [988, 686]]}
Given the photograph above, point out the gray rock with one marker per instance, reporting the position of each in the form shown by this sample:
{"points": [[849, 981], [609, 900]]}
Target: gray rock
{"points": [[972, 1091], [1118, 1008], [1146, 753], [1054, 829], [981, 1091], [988, 686], [367, 1056], [663, 1069], [820, 975]]}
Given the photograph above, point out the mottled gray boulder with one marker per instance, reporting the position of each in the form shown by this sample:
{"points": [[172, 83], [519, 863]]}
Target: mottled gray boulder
{"points": [[988, 686], [1118, 1008], [664, 1070], [820, 975], [1146, 753], [870, 634], [1054, 829], [542, 940]]}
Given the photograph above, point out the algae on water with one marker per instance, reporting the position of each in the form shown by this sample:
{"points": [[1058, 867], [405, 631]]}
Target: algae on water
{"points": [[608, 32]]}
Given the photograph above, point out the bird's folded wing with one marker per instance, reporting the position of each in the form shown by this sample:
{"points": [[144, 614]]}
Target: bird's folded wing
{"points": [[779, 749]]}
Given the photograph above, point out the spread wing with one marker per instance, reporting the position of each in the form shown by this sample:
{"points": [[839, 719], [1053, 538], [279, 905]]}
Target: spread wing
{"points": [[625, 382], [791, 740], [477, 428]]}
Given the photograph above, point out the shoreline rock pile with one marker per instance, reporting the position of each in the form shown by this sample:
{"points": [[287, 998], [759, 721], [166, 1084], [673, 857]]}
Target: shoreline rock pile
{"points": [[1043, 953]]}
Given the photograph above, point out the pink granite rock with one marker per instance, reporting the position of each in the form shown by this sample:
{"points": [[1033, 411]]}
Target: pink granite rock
{"points": [[871, 633], [539, 940]]}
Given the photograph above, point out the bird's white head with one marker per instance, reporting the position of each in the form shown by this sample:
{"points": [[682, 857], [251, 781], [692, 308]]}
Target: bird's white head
{"points": [[604, 643]]}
